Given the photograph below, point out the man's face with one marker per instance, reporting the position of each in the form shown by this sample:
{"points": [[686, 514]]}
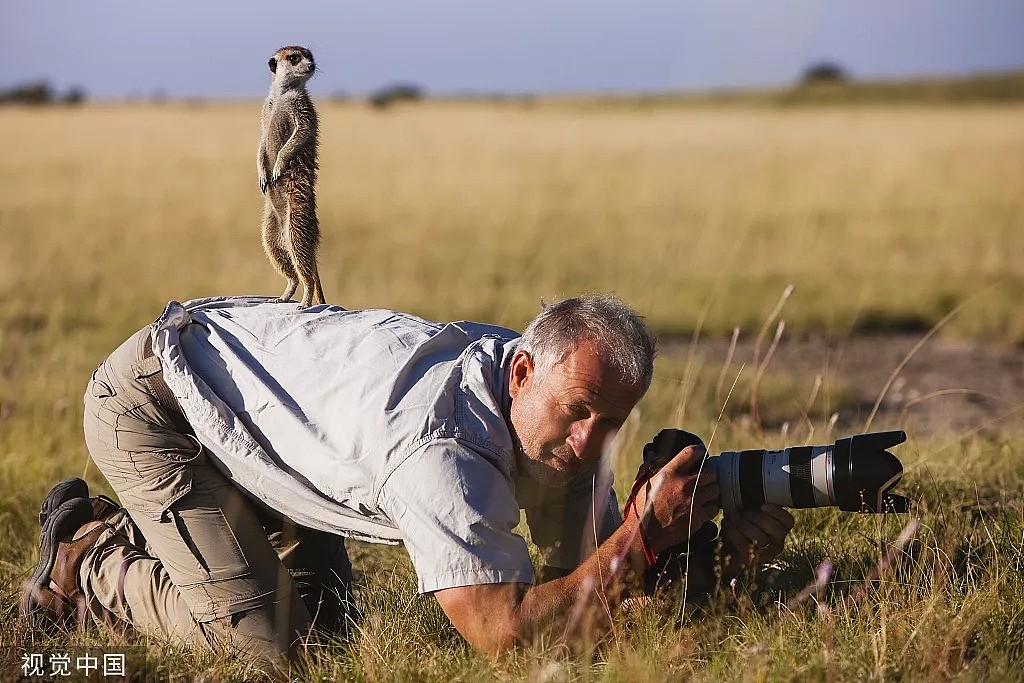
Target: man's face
{"points": [[564, 419]]}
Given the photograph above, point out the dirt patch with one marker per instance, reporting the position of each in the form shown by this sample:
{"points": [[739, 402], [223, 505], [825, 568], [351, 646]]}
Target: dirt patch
{"points": [[945, 387]]}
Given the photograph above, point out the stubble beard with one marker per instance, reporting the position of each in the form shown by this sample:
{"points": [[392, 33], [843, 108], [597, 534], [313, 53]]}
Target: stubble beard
{"points": [[540, 461], [542, 468]]}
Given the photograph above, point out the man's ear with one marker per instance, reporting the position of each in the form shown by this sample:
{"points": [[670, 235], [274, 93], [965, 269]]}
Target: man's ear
{"points": [[521, 373]]}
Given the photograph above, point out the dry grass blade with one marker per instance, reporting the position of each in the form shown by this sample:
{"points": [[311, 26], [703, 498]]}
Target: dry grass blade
{"points": [[770, 320], [725, 365], [755, 413]]}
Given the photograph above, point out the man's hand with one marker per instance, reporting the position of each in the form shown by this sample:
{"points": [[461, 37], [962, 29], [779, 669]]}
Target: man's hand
{"points": [[496, 616], [493, 617], [683, 501], [753, 537]]}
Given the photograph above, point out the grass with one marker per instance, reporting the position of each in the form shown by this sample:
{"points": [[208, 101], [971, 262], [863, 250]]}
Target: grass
{"points": [[883, 218]]}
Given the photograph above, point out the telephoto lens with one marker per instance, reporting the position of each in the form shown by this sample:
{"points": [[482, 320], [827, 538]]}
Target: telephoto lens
{"points": [[855, 474]]}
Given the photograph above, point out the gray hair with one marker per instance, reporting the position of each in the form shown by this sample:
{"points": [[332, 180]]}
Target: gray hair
{"points": [[625, 340]]}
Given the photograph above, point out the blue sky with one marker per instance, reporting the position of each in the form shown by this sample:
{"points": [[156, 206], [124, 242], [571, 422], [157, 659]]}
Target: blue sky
{"points": [[220, 48]]}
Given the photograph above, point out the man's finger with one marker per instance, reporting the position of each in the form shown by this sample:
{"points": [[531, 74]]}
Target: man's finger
{"points": [[738, 544], [704, 494], [751, 534], [780, 514], [687, 460], [776, 529]]}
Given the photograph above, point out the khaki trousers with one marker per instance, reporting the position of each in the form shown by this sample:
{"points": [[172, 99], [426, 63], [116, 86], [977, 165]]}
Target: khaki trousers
{"points": [[188, 557]]}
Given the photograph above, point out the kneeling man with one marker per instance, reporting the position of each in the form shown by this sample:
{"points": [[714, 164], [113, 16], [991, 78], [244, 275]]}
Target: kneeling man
{"points": [[245, 438]]}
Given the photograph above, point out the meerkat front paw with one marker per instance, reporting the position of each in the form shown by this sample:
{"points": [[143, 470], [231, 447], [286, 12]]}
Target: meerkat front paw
{"points": [[278, 170], [263, 182]]}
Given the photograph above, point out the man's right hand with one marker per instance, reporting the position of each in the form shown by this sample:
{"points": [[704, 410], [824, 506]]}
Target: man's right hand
{"points": [[685, 497], [493, 617]]}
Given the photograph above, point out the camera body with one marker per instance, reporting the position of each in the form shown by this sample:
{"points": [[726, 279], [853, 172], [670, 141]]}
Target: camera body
{"points": [[855, 474]]}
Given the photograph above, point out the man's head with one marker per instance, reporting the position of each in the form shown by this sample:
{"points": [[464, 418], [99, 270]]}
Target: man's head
{"points": [[582, 365]]}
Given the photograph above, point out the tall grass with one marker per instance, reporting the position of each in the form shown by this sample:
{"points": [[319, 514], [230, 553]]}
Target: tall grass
{"points": [[882, 219]]}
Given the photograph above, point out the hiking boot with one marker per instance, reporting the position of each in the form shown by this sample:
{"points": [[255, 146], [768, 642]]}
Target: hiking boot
{"points": [[72, 488], [69, 489], [70, 528]]}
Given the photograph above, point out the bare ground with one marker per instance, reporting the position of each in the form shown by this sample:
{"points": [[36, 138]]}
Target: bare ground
{"points": [[944, 387]]}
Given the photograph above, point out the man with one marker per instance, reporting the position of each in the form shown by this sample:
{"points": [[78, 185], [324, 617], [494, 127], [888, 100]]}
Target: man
{"points": [[228, 415]]}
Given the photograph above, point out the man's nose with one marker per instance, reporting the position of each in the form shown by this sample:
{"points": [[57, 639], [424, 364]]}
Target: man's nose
{"points": [[584, 439]]}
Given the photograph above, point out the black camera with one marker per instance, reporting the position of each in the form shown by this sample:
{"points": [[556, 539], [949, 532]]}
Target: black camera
{"points": [[855, 474]]}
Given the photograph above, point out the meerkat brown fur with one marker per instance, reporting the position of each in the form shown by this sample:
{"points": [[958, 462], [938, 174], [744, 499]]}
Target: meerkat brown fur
{"points": [[287, 167]]}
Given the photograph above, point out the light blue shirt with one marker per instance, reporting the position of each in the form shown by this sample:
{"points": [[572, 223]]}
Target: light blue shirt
{"points": [[377, 425]]}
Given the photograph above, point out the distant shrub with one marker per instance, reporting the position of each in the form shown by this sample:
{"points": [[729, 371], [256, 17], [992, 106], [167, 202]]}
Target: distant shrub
{"points": [[399, 92], [824, 72], [74, 96], [40, 93], [36, 92]]}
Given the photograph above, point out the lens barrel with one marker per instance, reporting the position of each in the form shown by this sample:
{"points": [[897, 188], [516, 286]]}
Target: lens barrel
{"points": [[855, 474]]}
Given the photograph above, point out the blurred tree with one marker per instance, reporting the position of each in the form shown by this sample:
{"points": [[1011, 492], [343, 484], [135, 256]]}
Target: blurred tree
{"points": [[35, 92], [74, 96], [399, 92], [824, 72]]}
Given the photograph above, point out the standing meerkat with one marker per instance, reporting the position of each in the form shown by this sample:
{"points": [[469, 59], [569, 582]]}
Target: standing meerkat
{"points": [[287, 167]]}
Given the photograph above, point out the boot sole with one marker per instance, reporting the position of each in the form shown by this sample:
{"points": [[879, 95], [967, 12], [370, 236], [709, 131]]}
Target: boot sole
{"points": [[61, 523], [69, 489]]}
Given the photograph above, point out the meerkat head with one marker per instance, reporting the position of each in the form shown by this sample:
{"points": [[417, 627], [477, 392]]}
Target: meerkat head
{"points": [[292, 65]]}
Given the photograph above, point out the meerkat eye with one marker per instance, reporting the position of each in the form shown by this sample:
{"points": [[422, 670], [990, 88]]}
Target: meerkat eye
{"points": [[294, 59], [273, 65]]}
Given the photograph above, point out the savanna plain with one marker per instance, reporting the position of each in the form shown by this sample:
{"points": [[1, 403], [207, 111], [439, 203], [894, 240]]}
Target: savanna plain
{"points": [[812, 272]]}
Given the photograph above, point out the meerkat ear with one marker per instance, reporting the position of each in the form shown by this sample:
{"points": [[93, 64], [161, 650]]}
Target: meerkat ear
{"points": [[273, 65]]}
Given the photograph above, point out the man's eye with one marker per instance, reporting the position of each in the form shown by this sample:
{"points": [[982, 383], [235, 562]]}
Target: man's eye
{"points": [[578, 410]]}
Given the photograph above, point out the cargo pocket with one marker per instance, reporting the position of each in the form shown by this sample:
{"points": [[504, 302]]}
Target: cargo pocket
{"points": [[162, 462], [191, 513], [204, 560], [211, 543]]}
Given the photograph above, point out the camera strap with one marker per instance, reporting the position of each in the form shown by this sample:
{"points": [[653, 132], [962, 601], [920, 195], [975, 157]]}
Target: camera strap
{"points": [[643, 477]]}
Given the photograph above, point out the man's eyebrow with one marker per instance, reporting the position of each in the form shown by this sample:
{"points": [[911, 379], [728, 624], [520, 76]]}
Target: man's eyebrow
{"points": [[610, 416]]}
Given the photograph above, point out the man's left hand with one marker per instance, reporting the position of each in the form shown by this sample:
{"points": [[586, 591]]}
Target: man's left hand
{"points": [[753, 537]]}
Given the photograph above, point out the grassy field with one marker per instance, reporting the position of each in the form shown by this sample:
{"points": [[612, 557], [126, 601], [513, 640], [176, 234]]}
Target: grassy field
{"points": [[883, 218]]}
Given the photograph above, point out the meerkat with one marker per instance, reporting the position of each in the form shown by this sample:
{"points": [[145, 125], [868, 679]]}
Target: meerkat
{"points": [[287, 166]]}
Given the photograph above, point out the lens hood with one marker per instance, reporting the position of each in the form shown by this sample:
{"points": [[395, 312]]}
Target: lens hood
{"points": [[864, 473]]}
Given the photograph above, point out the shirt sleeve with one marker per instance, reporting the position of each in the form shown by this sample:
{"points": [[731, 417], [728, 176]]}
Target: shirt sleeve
{"points": [[456, 510], [562, 522]]}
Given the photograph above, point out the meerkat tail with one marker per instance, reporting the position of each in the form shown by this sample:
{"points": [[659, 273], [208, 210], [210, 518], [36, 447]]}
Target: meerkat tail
{"points": [[318, 289]]}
